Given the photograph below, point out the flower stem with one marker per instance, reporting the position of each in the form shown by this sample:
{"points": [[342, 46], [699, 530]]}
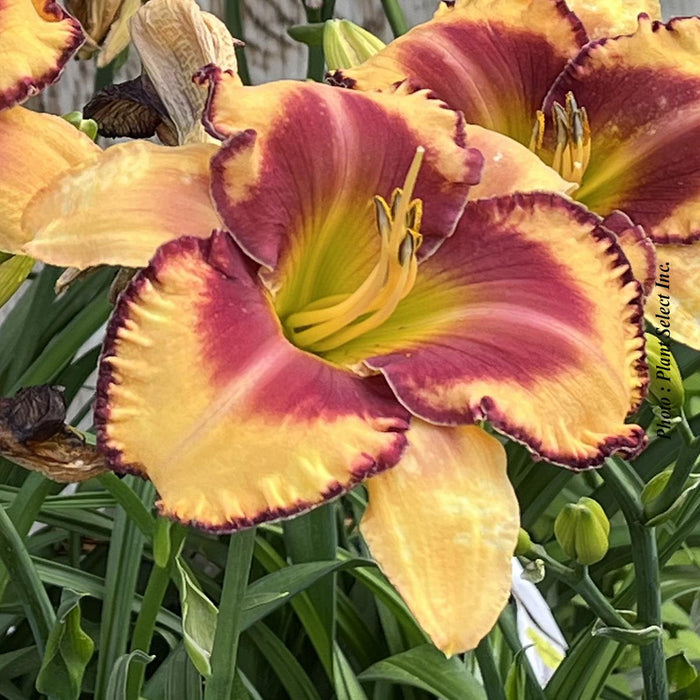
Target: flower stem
{"points": [[146, 621], [234, 23], [622, 480], [396, 17], [225, 648], [317, 61]]}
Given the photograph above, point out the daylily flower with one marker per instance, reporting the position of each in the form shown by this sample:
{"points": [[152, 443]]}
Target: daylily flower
{"points": [[344, 320], [618, 116]]}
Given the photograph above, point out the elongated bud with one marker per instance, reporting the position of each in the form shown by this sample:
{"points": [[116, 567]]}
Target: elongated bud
{"points": [[346, 45], [665, 381], [582, 531], [655, 486], [87, 126]]}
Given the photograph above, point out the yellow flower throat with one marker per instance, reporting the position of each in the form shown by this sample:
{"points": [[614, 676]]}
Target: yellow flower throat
{"points": [[328, 323], [573, 149]]}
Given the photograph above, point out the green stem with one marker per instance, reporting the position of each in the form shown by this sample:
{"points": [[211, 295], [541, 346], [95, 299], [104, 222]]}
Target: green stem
{"points": [[396, 17], [234, 22], [685, 430], [225, 648], [317, 62], [29, 588], [492, 679], [620, 476], [150, 605], [581, 582]]}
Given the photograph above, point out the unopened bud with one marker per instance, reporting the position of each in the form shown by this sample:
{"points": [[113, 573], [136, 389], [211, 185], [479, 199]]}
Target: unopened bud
{"points": [[347, 45], [87, 126], [582, 531], [524, 544], [665, 381], [655, 486]]}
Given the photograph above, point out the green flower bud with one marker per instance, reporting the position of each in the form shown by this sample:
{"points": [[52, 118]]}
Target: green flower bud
{"points": [[87, 126], [346, 45], [665, 381], [524, 544], [655, 486], [582, 531]]}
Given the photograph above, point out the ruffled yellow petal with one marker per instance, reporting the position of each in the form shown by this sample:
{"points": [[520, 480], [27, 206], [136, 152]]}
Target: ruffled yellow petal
{"points": [[200, 391], [117, 209], [34, 148], [603, 18], [36, 40], [443, 525], [673, 307]]}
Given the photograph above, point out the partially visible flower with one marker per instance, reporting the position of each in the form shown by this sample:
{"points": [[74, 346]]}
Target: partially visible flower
{"points": [[618, 116], [604, 18], [36, 40], [100, 18], [174, 39]]}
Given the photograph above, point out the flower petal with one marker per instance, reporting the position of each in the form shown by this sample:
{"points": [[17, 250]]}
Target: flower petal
{"points": [[642, 95], [200, 391], [175, 39], [683, 321], [319, 186], [118, 209], [603, 18], [528, 317], [493, 60], [636, 246], [510, 167], [36, 40], [34, 148], [442, 526]]}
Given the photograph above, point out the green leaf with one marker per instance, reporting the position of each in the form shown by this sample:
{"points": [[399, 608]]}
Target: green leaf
{"points": [[347, 687], [68, 650], [13, 272], [681, 673], [199, 616], [116, 686], [427, 668], [183, 680]]}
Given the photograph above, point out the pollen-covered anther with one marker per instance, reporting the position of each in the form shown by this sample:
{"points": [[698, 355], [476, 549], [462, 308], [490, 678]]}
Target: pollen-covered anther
{"points": [[328, 323]]}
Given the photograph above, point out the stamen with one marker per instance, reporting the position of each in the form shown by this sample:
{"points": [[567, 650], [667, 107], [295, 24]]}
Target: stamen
{"points": [[327, 323], [572, 152]]}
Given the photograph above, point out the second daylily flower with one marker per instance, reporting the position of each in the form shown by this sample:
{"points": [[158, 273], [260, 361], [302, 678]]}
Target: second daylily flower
{"points": [[617, 116]]}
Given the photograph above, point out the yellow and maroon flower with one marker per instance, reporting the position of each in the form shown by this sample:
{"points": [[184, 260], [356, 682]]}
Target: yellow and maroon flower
{"points": [[36, 40], [619, 118], [346, 321]]}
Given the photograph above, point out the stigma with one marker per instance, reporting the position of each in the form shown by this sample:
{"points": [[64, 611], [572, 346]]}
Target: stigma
{"points": [[326, 324], [573, 139]]}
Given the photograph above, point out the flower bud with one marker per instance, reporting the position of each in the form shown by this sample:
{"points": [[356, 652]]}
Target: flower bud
{"points": [[665, 381], [346, 45], [582, 531], [524, 543], [655, 486], [87, 126]]}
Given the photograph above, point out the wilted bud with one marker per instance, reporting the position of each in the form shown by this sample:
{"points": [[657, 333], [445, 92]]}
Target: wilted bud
{"points": [[346, 45], [87, 126], [666, 383], [582, 531]]}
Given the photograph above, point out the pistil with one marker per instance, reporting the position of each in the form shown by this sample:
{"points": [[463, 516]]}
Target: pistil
{"points": [[328, 323]]}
